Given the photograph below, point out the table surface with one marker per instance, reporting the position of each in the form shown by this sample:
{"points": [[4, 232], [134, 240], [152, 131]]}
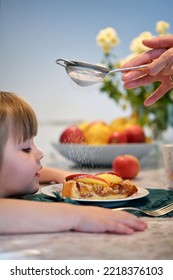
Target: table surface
{"points": [[156, 243]]}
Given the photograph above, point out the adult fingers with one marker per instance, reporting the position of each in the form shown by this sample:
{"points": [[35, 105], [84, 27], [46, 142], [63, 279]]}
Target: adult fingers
{"points": [[160, 91], [163, 64], [159, 42], [144, 58], [133, 75], [142, 81]]}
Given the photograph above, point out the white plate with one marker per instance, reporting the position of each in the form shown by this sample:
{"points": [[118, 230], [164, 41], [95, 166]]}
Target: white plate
{"points": [[49, 190], [102, 155]]}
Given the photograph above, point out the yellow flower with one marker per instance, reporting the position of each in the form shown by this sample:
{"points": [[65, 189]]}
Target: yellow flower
{"points": [[107, 38], [162, 27], [136, 45]]}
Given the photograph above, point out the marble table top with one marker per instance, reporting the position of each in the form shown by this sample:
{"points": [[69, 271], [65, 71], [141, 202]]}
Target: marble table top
{"points": [[156, 243]]}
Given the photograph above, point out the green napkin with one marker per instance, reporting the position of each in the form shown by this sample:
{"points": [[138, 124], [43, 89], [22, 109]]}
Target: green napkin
{"points": [[156, 198], [43, 197]]}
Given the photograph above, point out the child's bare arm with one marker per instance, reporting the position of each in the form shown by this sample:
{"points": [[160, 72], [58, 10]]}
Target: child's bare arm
{"points": [[21, 216], [49, 174]]}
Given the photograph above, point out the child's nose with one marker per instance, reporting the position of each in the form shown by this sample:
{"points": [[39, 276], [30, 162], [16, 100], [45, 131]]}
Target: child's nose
{"points": [[40, 154]]}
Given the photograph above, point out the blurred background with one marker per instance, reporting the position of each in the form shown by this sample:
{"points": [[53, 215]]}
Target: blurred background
{"points": [[34, 33]]}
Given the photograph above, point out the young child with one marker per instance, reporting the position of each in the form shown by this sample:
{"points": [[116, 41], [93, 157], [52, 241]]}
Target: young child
{"points": [[20, 173]]}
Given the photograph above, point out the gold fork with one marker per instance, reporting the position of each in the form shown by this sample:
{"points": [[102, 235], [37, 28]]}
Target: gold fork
{"points": [[153, 213]]}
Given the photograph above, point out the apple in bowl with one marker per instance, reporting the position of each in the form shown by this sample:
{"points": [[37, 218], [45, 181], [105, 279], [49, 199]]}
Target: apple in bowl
{"points": [[135, 134], [117, 137], [72, 134]]}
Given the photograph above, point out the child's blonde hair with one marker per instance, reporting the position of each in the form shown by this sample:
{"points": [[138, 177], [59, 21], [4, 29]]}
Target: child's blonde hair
{"points": [[17, 118]]}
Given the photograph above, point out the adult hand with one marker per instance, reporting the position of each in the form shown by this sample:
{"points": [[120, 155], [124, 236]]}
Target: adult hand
{"points": [[160, 68]]}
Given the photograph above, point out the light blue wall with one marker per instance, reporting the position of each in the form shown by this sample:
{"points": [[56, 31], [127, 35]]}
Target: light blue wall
{"points": [[34, 33]]}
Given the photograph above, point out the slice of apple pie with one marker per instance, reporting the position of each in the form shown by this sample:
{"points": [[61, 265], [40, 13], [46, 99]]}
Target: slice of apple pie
{"points": [[101, 186]]}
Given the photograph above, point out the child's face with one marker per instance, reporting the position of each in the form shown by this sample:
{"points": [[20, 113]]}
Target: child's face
{"points": [[20, 171]]}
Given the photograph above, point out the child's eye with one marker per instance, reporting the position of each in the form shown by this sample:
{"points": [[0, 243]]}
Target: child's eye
{"points": [[26, 150]]}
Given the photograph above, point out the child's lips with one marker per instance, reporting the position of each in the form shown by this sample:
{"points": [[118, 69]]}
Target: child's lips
{"points": [[37, 175]]}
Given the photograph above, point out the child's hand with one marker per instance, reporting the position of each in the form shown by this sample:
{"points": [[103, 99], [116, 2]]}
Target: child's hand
{"points": [[97, 219]]}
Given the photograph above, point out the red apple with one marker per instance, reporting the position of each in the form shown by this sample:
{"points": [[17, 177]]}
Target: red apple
{"points": [[126, 166], [117, 137], [135, 134], [72, 134]]}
